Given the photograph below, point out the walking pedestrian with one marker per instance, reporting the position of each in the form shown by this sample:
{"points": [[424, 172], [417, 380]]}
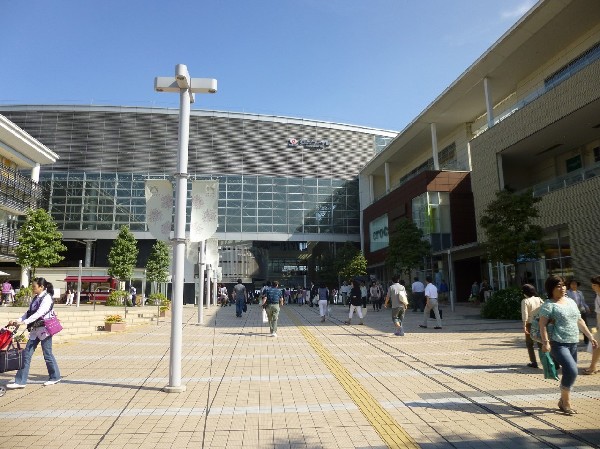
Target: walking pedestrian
{"points": [[529, 306], [561, 341], [272, 303], [355, 302], [69, 295], [575, 294], [375, 292], [40, 308], [240, 296], [431, 297], [418, 295], [6, 293], [399, 301], [323, 293], [592, 369]]}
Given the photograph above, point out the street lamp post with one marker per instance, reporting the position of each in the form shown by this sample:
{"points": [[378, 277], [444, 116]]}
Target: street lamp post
{"points": [[186, 86]]}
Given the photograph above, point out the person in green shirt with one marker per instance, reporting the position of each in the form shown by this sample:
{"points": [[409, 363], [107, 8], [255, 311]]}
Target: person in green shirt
{"points": [[562, 343]]}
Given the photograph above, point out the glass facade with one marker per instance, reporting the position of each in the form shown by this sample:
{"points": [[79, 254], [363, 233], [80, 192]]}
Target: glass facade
{"points": [[431, 213], [255, 204]]}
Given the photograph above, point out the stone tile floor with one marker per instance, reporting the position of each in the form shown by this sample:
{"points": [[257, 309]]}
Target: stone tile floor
{"points": [[318, 385]]}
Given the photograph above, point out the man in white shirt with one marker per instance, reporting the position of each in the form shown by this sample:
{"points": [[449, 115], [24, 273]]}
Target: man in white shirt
{"points": [[399, 302], [418, 295], [431, 297]]}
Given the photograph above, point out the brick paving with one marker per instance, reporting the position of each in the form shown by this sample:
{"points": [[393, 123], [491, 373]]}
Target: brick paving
{"points": [[318, 385]]}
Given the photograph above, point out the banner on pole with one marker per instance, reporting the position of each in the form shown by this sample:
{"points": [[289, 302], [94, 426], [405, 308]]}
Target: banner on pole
{"points": [[204, 222], [159, 208], [212, 252], [191, 263]]}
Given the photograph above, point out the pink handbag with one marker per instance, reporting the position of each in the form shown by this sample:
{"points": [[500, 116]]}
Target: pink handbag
{"points": [[53, 325]]}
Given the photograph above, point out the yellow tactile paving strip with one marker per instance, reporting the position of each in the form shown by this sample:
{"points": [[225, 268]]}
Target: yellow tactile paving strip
{"points": [[386, 426]]}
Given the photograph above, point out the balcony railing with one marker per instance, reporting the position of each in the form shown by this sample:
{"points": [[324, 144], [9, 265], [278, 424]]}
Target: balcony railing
{"points": [[18, 193], [565, 181], [8, 241]]}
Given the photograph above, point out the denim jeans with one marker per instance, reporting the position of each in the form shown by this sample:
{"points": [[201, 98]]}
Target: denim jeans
{"points": [[51, 365], [566, 355], [239, 306]]}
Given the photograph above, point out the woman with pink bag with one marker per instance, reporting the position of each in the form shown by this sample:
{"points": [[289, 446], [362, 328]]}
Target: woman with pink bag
{"points": [[39, 309]]}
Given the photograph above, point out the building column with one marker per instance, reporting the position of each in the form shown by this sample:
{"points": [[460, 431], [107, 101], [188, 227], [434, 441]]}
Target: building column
{"points": [[371, 190], [488, 101], [500, 171], [387, 177], [434, 147], [25, 276], [35, 173], [88, 253]]}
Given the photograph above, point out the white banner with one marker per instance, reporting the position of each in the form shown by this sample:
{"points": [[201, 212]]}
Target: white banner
{"points": [[191, 255], [203, 222], [159, 208], [212, 252]]}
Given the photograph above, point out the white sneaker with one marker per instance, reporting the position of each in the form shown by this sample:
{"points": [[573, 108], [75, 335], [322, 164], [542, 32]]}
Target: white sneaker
{"points": [[51, 382], [274, 335], [14, 386]]}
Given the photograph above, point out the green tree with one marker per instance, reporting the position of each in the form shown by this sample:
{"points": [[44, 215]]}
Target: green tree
{"points": [[40, 242], [407, 249], [357, 266], [123, 255], [343, 258], [508, 225], [157, 267]]}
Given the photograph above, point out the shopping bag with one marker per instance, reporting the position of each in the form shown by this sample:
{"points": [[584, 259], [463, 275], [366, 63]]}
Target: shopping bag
{"points": [[12, 358], [265, 318], [548, 365], [53, 325]]}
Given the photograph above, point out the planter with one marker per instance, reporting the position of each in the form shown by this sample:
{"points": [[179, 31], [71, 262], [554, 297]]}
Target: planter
{"points": [[114, 327], [164, 313]]}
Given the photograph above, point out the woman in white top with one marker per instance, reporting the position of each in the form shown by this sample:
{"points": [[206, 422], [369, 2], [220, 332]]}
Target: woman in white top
{"points": [[39, 309], [529, 305]]}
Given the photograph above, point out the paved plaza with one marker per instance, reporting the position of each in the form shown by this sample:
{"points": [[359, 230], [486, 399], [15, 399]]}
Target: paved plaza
{"points": [[317, 385]]}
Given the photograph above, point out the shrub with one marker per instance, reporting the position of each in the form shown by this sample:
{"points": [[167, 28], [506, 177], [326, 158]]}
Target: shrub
{"points": [[23, 297], [116, 298], [503, 305], [158, 299]]}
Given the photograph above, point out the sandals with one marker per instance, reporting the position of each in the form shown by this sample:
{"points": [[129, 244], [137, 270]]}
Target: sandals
{"points": [[565, 410], [589, 372]]}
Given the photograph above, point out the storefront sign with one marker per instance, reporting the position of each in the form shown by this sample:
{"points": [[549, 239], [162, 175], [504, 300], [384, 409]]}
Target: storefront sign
{"points": [[378, 230]]}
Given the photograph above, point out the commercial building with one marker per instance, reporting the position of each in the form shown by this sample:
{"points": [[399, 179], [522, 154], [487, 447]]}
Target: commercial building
{"points": [[288, 187], [525, 115], [19, 151]]}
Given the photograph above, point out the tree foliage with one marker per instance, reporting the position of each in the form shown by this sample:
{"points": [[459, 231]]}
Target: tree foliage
{"points": [[407, 249], [123, 255], [350, 262], [157, 267], [40, 242], [508, 225]]}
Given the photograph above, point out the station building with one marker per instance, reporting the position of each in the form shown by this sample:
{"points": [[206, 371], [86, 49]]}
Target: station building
{"points": [[525, 115], [288, 187]]}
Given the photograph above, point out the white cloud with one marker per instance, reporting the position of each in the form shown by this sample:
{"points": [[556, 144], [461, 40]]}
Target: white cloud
{"points": [[519, 10]]}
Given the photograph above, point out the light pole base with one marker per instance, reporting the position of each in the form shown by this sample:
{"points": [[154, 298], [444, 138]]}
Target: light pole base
{"points": [[169, 389]]}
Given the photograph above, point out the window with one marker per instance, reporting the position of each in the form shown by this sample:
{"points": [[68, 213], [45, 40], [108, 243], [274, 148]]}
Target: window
{"points": [[573, 163]]}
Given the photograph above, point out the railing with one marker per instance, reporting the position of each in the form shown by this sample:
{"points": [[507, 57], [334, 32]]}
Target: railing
{"points": [[8, 241], [565, 181], [19, 193]]}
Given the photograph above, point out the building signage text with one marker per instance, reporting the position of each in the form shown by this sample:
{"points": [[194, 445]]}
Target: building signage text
{"points": [[309, 144]]}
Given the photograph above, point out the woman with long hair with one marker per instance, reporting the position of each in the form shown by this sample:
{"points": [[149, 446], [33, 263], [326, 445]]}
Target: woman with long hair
{"points": [[560, 323], [40, 308]]}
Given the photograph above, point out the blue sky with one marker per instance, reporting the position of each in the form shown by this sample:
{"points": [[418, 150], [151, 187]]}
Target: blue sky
{"points": [[375, 63]]}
